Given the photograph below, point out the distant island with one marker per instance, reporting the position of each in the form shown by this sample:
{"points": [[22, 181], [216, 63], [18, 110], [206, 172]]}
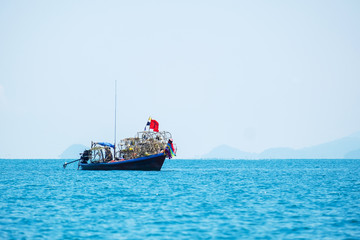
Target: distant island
{"points": [[73, 151], [347, 148], [343, 148]]}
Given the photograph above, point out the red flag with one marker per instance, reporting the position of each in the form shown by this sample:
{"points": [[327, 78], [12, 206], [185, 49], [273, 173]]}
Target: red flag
{"points": [[154, 125]]}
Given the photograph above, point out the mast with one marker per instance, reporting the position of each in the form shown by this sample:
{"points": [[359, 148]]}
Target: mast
{"points": [[115, 120]]}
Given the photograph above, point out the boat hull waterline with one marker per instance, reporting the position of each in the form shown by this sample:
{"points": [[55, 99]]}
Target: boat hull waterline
{"points": [[149, 163]]}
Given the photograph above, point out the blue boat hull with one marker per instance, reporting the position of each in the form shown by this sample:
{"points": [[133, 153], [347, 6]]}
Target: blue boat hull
{"points": [[150, 163]]}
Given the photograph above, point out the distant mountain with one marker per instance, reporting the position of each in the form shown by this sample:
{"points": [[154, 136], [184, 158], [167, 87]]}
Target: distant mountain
{"points": [[353, 154], [347, 147], [227, 152], [334, 149], [73, 151]]}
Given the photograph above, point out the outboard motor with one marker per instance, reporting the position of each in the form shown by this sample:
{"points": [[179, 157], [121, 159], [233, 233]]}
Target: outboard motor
{"points": [[86, 156]]}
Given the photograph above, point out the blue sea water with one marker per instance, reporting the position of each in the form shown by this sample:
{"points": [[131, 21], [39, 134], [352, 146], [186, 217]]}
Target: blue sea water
{"points": [[187, 199]]}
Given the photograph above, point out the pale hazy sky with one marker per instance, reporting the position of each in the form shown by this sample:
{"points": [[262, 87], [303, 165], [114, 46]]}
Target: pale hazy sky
{"points": [[249, 74]]}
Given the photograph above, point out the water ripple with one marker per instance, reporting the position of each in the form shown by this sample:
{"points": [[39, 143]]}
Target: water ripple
{"points": [[206, 199]]}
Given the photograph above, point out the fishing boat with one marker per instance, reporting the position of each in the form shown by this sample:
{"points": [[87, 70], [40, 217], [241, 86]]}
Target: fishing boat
{"points": [[146, 151]]}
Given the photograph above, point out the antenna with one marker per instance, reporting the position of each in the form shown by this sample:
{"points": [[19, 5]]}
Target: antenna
{"points": [[115, 120]]}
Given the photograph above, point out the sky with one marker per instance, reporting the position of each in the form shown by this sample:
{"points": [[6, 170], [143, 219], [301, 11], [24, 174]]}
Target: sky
{"points": [[249, 74]]}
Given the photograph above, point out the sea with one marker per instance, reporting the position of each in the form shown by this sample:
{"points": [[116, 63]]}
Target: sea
{"points": [[187, 199]]}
